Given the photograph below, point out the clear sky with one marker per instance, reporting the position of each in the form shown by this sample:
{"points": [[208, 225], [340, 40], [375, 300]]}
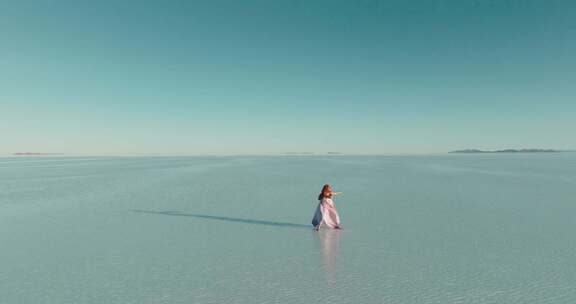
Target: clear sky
{"points": [[261, 76]]}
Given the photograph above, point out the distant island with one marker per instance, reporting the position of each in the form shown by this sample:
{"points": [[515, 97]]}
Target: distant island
{"points": [[298, 153], [312, 153], [508, 151], [36, 153]]}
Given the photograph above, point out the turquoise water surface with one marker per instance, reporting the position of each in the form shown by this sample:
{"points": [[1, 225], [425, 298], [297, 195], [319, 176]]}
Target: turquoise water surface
{"points": [[483, 228]]}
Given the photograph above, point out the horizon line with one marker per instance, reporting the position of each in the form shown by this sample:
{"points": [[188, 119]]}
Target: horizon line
{"points": [[55, 155]]}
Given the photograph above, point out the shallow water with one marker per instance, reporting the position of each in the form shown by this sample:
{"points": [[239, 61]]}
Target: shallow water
{"points": [[417, 229]]}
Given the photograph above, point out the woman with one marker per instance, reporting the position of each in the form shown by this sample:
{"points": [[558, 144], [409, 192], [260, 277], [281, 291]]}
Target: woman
{"points": [[326, 212]]}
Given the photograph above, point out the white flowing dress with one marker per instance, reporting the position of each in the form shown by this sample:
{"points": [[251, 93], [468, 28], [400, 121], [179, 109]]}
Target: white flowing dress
{"points": [[326, 214]]}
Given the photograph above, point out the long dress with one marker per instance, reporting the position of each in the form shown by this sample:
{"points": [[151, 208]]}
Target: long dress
{"points": [[326, 214]]}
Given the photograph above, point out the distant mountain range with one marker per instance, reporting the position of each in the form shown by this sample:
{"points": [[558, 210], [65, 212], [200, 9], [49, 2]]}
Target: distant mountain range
{"points": [[508, 151]]}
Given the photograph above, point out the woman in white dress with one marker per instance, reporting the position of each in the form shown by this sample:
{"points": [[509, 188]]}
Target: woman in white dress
{"points": [[326, 211]]}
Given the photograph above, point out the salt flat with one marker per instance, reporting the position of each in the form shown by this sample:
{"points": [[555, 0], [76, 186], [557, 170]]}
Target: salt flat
{"points": [[417, 229]]}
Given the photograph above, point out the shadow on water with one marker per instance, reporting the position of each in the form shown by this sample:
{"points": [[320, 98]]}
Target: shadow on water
{"points": [[225, 218]]}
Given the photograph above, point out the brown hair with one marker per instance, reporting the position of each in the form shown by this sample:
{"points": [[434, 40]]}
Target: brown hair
{"points": [[324, 193]]}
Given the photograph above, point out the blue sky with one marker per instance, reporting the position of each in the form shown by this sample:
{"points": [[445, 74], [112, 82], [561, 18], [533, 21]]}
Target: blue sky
{"points": [[227, 77]]}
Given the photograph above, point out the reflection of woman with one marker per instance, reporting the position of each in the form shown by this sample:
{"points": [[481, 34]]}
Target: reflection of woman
{"points": [[326, 212], [329, 243]]}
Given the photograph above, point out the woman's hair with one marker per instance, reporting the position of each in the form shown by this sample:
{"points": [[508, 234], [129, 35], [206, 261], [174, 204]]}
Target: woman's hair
{"points": [[324, 193]]}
